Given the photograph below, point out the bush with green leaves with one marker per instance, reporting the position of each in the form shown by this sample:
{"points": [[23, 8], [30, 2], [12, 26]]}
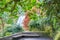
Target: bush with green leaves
{"points": [[12, 29], [57, 37], [10, 10]]}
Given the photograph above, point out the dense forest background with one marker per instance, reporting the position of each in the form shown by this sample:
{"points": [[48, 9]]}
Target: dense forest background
{"points": [[48, 21]]}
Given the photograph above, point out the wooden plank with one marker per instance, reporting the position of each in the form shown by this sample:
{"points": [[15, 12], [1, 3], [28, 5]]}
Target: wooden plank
{"points": [[25, 34]]}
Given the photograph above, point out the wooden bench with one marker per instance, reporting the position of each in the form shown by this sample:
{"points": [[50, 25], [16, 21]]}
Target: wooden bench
{"points": [[28, 36]]}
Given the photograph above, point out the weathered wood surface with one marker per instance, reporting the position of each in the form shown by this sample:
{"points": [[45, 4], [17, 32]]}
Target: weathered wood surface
{"points": [[26, 34]]}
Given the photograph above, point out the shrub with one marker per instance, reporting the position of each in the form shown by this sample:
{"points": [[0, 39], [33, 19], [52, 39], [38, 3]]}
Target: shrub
{"points": [[57, 37]]}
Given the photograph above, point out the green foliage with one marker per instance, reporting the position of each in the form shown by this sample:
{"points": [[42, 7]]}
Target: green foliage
{"points": [[12, 29], [57, 37], [27, 5], [9, 14], [48, 21]]}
